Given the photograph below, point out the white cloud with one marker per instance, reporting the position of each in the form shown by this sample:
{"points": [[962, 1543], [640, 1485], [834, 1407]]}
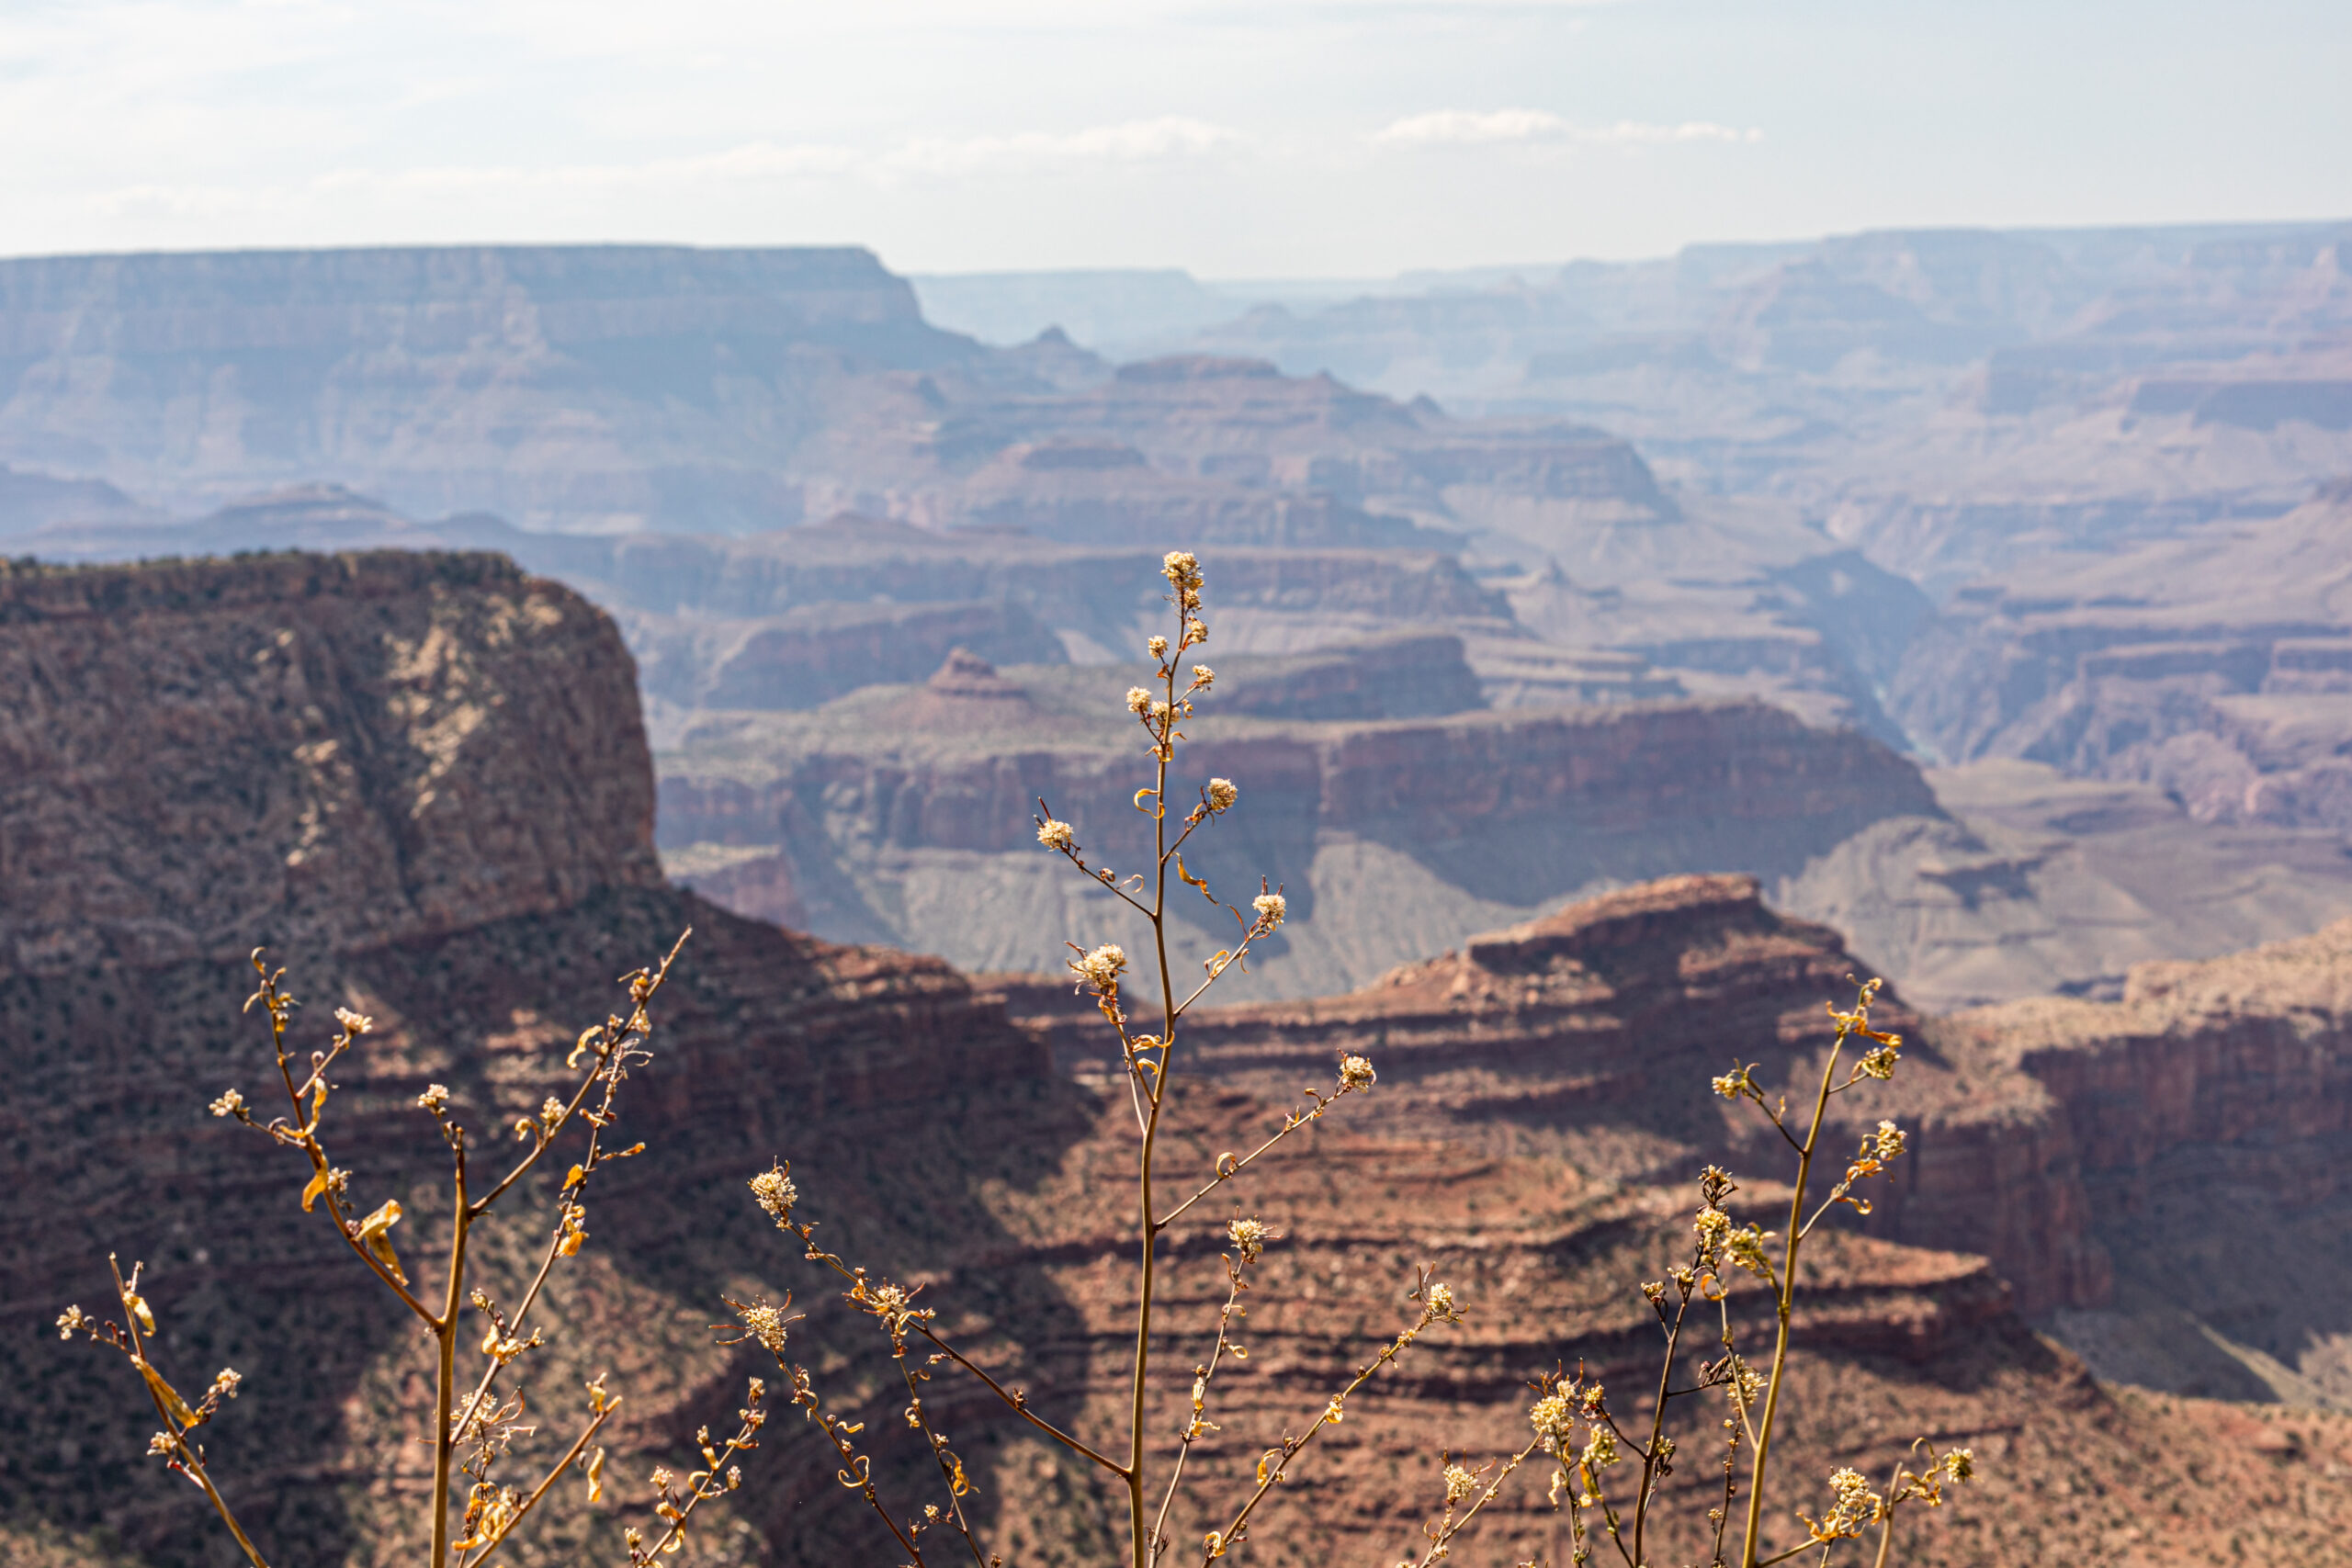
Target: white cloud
{"points": [[1473, 127]]}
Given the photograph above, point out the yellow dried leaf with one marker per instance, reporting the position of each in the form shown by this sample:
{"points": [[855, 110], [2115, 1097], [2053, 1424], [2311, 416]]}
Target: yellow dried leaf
{"points": [[372, 1236], [318, 1184], [137, 1307], [597, 1476], [575, 1178], [169, 1396]]}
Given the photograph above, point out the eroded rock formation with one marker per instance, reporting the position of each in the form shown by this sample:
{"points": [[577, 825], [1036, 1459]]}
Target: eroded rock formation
{"points": [[895, 820]]}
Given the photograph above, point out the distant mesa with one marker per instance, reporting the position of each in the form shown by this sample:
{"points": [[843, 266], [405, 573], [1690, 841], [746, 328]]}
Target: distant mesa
{"points": [[966, 674], [1178, 367]]}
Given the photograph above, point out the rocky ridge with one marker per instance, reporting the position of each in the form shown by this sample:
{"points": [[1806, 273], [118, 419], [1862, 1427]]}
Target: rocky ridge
{"points": [[2150, 1174], [896, 821]]}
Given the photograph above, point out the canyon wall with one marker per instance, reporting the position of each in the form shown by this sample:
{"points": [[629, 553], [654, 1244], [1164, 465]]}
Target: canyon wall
{"points": [[2217, 666], [893, 818]]}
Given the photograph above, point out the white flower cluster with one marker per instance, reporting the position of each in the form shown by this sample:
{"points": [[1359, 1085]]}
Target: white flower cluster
{"points": [[1100, 968], [774, 1190]]}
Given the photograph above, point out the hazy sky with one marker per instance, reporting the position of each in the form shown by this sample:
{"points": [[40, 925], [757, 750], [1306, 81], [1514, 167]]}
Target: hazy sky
{"points": [[1244, 138]]}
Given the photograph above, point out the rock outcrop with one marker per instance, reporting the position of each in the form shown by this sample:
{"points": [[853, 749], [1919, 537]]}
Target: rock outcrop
{"points": [[328, 751]]}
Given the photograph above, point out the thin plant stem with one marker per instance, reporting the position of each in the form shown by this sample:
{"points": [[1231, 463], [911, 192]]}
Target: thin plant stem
{"points": [[445, 1382], [1752, 1543], [185, 1451], [1140, 1542], [1650, 1463]]}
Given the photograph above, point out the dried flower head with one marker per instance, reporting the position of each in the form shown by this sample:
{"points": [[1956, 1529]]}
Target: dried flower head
{"points": [[1713, 1226], [764, 1324], [1853, 1507], [891, 1304], [434, 1097], [773, 1191], [1437, 1302], [1100, 967], [1554, 1419], [1734, 1084], [1138, 700], [228, 1104], [71, 1320], [1221, 794], [1961, 1465], [1890, 1142], [1271, 908], [1599, 1448], [1182, 569], [354, 1024], [160, 1445], [225, 1385], [1204, 677], [1355, 1072], [1055, 834], [1459, 1484], [1879, 1064], [1158, 647], [1249, 1237], [1196, 632], [1746, 1248]]}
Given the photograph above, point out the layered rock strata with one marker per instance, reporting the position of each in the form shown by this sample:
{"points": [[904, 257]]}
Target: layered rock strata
{"points": [[896, 822], [2216, 666]]}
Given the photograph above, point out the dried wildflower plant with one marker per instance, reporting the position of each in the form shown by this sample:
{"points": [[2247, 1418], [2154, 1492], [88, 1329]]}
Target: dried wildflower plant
{"points": [[1576, 1427], [477, 1406]]}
